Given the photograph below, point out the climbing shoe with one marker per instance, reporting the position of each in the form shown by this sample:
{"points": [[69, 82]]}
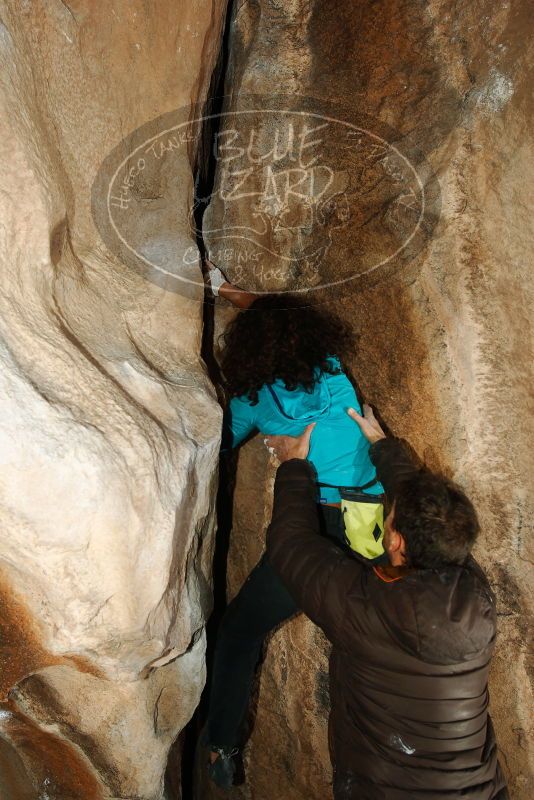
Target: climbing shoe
{"points": [[222, 770]]}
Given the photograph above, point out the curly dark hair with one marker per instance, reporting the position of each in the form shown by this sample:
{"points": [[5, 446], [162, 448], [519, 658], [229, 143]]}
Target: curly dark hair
{"points": [[279, 337], [437, 520]]}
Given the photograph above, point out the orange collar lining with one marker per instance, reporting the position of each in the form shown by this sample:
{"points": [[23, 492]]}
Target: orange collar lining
{"points": [[386, 578]]}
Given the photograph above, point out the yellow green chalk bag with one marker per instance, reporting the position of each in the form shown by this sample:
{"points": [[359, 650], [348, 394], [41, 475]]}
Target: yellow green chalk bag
{"points": [[363, 517]]}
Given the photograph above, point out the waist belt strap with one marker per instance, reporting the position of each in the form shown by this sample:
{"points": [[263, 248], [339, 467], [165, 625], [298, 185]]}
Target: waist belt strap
{"points": [[350, 488]]}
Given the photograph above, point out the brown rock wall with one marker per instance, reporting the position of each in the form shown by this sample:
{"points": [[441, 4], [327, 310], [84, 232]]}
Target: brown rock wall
{"points": [[445, 332]]}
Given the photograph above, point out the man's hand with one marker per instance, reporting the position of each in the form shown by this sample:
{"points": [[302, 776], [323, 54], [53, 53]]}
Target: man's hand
{"points": [[369, 425], [287, 447]]}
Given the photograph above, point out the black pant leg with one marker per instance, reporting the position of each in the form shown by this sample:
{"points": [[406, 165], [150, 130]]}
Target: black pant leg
{"points": [[331, 524], [262, 603]]}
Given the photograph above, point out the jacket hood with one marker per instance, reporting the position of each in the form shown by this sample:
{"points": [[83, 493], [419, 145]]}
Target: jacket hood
{"points": [[441, 616], [301, 405]]}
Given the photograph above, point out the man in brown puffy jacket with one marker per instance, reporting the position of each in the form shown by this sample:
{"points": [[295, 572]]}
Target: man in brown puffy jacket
{"points": [[412, 640]]}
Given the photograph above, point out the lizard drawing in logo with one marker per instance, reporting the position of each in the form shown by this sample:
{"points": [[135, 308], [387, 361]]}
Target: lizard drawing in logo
{"points": [[289, 229]]}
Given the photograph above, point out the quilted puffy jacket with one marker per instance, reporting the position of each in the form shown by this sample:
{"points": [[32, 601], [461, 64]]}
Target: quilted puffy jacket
{"points": [[410, 658]]}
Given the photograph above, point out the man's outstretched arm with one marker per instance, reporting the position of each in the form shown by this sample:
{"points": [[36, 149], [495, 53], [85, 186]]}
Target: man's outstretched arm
{"points": [[394, 459], [321, 578]]}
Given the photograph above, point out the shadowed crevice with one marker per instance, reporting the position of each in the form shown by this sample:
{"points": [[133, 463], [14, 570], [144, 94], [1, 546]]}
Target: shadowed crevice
{"points": [[179, 779]]}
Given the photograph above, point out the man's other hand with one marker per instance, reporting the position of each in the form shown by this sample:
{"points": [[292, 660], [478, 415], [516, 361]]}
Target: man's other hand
{"points": [[287, 447], [369, 425]]}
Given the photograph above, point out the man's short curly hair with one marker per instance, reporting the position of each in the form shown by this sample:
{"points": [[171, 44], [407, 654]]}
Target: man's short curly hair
{"points": [[281, 337], [437, 521]]}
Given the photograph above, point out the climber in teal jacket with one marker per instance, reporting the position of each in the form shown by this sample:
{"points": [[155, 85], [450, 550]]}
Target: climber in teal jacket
{"points": [[282, 366], [339, 452]]}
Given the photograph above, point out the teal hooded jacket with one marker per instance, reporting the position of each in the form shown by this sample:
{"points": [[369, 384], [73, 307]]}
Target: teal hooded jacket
{"points": [[339, 451]]}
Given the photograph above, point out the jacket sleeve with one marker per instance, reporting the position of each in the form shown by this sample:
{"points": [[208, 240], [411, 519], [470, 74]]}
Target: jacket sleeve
{"points": [[238, 422], [395, 461], [322, 579]]}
